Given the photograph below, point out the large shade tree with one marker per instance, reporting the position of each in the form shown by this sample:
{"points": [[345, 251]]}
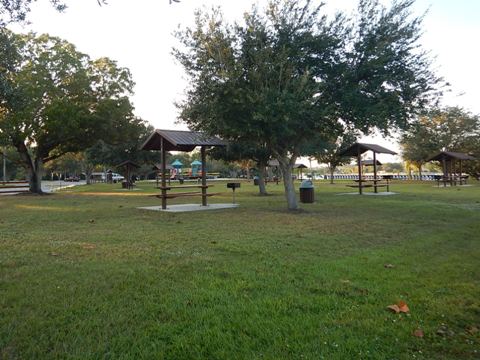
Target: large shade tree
{"points": [[62, 102], [245, 151], [450, 129], [329, 151], [418, 143], [288, 75]]}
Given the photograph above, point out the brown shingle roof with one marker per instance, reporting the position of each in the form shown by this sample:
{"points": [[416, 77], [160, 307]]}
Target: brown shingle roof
{"points": [[361, 148], [177, 140], [449, 155]]}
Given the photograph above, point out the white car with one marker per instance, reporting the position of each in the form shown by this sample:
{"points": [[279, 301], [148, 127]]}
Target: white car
{"points": [[101, 176]]}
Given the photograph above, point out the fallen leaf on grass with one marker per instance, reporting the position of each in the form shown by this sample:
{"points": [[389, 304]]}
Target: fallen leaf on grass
{"points": [[445, 331], [89, 246], [403, 307], [472, 330], [388, 266], [418, 333], [400, 307], [54, 254], [91, 221], [394, 308]]}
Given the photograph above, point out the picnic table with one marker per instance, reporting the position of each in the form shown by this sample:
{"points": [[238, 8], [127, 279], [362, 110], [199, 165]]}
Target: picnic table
{"points": [[375, 183], [173, 195]]}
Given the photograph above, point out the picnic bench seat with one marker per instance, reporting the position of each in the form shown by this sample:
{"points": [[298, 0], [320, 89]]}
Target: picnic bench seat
{"points": [[14, 187], [370, 183], [184, 194], [173, 195]]}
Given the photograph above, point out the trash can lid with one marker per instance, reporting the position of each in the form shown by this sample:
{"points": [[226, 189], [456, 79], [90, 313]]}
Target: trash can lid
{"points": [[306, 184]]}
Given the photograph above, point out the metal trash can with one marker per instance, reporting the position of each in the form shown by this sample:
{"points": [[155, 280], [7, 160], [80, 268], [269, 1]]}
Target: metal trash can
{"points": [[255, 180], [307, 193]]}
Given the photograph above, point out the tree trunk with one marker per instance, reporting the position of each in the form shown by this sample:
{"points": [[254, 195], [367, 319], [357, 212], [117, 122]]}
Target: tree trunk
{"points": [[35, 177], [332, 169], [88, 175], [286, 167], [33, 167], [261, 180]]}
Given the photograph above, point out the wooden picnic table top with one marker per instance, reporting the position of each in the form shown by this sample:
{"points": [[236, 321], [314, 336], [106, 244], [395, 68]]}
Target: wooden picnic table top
{"points": [[184, 187], [370, 180]]}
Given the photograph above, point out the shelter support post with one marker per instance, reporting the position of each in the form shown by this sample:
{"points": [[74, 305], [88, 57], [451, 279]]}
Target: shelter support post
{"points": [[452, 167], [445, 172], [359, 159], [461, 173], [204, 177], [375, 189], [164, 184]]}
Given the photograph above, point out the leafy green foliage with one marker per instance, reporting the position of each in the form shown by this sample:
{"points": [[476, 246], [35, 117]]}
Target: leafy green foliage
{"points": [[449, 129], [17, 10], [62, 101], [329, 151], [290, 75]]}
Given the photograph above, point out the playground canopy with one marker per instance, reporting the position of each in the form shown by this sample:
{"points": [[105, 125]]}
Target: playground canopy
{"points": [[196, 163], [177, 140], [357, 150], [177, 164]]}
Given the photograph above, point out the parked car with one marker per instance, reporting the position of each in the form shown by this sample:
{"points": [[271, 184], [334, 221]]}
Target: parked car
{"points": [[72, 179], [115, 177]]}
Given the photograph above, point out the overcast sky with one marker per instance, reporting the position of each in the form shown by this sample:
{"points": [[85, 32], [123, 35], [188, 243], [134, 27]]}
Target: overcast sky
{"points": [[138, 34]]}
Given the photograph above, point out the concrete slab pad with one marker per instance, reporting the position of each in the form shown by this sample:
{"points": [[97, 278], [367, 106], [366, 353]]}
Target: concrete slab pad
{"points": [[371, 193], [190, 207]]}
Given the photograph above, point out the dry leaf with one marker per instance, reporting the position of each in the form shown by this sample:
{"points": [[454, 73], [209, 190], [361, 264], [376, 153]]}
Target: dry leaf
{"points": [[394, 308], [88, 246], [418, 333], [399, 307], [402, 305], [388, 266], [472, 330], [54, 254], [91, 221]]}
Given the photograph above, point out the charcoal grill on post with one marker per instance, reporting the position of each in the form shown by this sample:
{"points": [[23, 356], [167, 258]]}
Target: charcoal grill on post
{"points": [[233, 186]]}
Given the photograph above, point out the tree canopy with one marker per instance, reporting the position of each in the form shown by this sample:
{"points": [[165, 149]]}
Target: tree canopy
{"points": [[439, 129], [61, 101], [290, 74], [18, 10]]}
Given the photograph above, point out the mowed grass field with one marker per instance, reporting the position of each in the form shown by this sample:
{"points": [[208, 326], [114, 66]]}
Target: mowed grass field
{"points": [[84, 274]]}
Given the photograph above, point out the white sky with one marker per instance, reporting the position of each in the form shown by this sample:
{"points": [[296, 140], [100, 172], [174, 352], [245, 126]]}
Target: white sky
{"points": [[138, 34]]}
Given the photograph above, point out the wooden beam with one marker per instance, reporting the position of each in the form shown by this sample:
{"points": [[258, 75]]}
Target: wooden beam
{"points": [[204, 177], [375, 172], [164, 183], [359, 159]]}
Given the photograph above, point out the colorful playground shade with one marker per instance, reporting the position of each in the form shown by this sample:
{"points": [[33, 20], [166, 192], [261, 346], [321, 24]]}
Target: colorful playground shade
{"points": [[177, 164]]}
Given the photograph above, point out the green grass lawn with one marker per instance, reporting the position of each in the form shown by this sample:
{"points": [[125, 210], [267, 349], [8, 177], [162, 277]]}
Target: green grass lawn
{"points": [[86, 275]]}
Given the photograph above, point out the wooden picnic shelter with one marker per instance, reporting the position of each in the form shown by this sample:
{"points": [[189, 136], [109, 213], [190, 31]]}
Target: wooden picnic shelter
{"points": [[186, 141], [449, 160], [356, 150], [300, 168], [129, 166]]}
